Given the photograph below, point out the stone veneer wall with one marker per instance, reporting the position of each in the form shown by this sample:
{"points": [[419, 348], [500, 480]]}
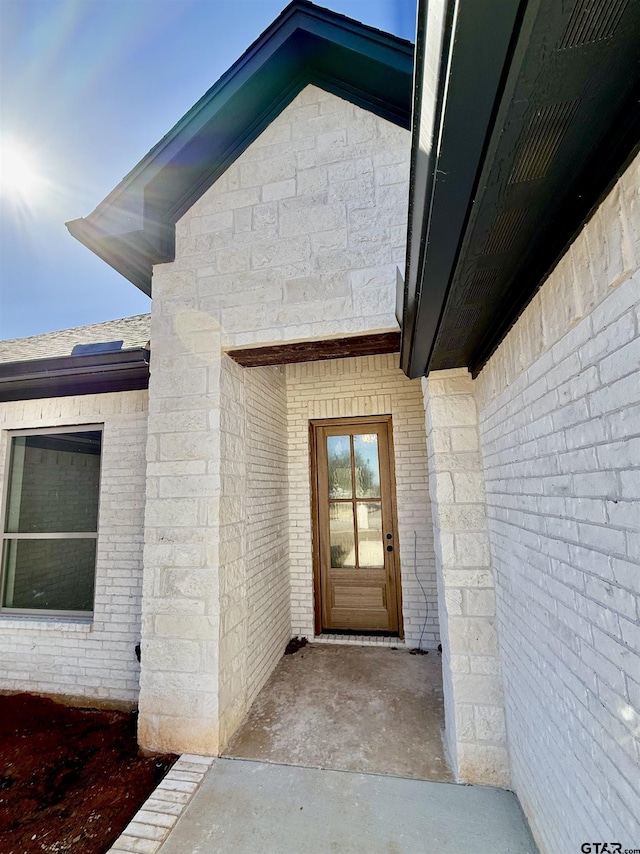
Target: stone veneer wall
{"points": [[180, 604], [96, 659], [370, 385], [474, 704], [300, 238], [233, 535], [560, 427], [216, 606]]}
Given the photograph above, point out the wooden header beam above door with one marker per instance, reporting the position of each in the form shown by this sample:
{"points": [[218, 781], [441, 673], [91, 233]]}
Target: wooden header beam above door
{"points": [[315, 351]]}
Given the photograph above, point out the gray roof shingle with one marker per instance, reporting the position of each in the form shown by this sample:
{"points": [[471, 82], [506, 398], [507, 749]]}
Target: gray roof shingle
{"points": [[132, 331]]}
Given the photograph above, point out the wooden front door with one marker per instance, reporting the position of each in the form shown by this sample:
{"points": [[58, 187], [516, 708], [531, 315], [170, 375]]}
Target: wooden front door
{"points": [[356, 555]]}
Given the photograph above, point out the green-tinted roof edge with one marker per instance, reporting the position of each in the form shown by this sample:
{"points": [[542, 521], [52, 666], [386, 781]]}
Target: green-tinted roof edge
{"points": [[133, 227]]}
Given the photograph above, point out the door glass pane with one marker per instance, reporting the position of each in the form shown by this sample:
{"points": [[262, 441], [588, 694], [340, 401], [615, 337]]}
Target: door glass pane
{"points": [[341, 536], [54, 483], [54, 575], [339, 462], [365, 452], [370, 545]]}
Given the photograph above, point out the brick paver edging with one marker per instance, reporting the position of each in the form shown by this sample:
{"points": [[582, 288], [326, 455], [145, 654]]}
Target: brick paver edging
{"points": [[153, 822]]}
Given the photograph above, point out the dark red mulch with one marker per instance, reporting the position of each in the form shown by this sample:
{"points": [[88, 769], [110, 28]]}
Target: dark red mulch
{"points": [[70, 779]]}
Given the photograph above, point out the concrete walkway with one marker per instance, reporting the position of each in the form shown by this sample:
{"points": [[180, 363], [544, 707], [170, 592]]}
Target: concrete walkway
{"points": [[245, 807], [350, 708], [341, 754]]}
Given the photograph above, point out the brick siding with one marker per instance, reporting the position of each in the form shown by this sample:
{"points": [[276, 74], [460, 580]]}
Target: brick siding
{"points": [[95, 660], [269, 627], [560, 427], [371, 385], [254, 558]]}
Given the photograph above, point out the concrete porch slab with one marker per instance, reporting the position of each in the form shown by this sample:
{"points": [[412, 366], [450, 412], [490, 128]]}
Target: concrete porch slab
{"points": [[245, 807], [366, 709]]}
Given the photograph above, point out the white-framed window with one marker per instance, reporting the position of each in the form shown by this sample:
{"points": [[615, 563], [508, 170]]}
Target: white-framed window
{"points": [[50, 521]]}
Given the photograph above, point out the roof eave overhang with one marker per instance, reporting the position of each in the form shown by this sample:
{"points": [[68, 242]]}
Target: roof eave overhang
{"points": [[130, 254], [477, 38], [134, 227], [466, 281], [62, 376]]}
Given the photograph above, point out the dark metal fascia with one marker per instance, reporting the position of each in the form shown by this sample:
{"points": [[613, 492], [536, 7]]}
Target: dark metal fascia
{"points": [[133, 265], [298, 15], [479, 40], [133, 228], [60, 376], [422, 173]]}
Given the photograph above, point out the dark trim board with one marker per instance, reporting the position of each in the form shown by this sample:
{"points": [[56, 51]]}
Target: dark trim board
{"points": [[62, 376], [477, 40], [315, 351], [134, 227], [537, 111], [539, 116]]}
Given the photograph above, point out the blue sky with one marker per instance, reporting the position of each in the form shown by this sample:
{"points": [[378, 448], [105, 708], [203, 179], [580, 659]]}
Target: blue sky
{"points": [[87, 87]]}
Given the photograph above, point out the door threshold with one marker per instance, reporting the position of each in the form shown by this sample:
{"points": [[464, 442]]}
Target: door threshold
{"points": [[360, 640]]}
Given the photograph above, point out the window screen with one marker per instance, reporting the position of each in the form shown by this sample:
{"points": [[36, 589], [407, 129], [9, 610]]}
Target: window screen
{"points": [[51, 522]]}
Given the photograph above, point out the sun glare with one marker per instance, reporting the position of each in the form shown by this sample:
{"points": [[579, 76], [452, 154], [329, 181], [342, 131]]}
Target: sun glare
{"points": [[20, 180]]}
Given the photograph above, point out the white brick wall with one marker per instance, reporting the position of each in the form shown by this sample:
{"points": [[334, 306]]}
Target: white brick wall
{"points": [[371, 385], [94, 660], [560, 428], [301, 236], [254, 555], [269, 627]]}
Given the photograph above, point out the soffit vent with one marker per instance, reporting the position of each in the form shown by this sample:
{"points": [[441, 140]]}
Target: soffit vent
{"points": [[504, 231], [466, 317], [481, 284], [451, 339], [448, 362], [448, 337], [541, 141], [449, 343], [592, 21]]}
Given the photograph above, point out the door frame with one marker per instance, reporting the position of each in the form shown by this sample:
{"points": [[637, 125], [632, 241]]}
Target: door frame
{"points": [[353, 421]]}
